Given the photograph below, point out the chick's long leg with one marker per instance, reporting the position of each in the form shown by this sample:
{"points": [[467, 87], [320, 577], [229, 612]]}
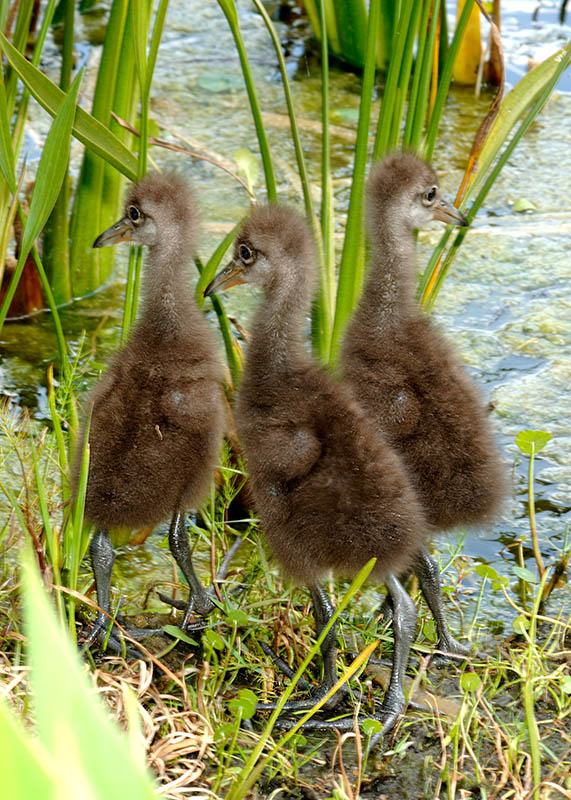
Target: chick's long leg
{"points": [[430, 585], [211, 591], [323, 610], [404, 622], [199, 601], [102, 559], [429, 579]]}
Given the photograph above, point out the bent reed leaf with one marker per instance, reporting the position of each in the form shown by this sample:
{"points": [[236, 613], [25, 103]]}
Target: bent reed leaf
{"points": [[86, 128]]}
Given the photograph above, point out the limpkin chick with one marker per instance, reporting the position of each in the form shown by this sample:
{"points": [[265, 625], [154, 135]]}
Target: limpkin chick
{"points": [[329, 491], [157, 415], [408, 377]]}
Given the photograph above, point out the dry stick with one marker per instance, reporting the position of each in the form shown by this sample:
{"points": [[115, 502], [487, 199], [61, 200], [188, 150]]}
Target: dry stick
{"points": [[178, 149]]}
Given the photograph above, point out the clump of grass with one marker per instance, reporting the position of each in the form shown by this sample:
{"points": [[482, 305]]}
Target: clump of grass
{"points": [[499, 721]]}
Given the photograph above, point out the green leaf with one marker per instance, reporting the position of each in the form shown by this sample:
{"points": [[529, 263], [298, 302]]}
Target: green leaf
{"points": [[224, 732], [524, 574], [22, 761], [237, 617], [502, 581], [215, 640], [531, 442], [520, 624], [52, 168], [512, 110], [522, 204], [371, 726], [177, 633], [244, 704], [566, 684], [7, 162], [485, 571], [248, 164], [51, 173], [86, 128], [470, 682]]}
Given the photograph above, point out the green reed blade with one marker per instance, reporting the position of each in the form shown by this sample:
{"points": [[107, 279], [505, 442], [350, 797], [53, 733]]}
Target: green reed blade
{"points": [[444, 82], [383, 140], [418, 100], [20, 39], [353, 258], [207, 272], [351, 24], [229, 10], [94, 209], [7, 160], [49, 533], [325, 302], [404, 75], [322, 343]]}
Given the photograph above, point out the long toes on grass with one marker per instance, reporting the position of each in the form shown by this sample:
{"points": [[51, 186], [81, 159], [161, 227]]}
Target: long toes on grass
{"points": [[309, 702], [450, 651], [113, 643]]}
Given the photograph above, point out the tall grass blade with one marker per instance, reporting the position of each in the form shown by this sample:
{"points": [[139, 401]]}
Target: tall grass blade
{"points": [[96, 207], [445, 78], [230, 12], [7, 160], [353, 256], [325, 302], [385, 126], [322, 341], [25, 771], [419, 93]]}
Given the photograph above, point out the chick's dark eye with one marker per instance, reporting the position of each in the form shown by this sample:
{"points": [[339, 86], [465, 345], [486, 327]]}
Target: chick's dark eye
{"points": [[430, 195], [245, 253], [134, 214]]}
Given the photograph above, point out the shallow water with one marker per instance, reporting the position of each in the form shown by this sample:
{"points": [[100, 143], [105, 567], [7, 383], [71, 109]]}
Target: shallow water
{"points": [[505, 303]]}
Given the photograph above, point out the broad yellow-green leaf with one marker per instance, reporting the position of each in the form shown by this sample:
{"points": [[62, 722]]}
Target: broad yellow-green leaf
{"points": [[86, 128], [531, 442], [94, 758], [22, 761]]}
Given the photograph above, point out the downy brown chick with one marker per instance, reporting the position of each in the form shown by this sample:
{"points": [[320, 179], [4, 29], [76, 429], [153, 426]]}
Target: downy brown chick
{"points": [[408, 377], [157, 414], [331, 494]]}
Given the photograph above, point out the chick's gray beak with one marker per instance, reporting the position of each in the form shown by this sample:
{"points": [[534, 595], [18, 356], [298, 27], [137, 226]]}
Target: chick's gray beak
{"points": [[446, 212], [122, 231], [232, 275]]}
